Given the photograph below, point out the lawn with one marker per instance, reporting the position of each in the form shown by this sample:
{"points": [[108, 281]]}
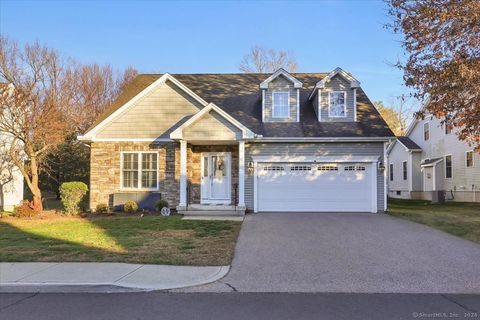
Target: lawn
{"points": [[135, 239], [459, 219]]}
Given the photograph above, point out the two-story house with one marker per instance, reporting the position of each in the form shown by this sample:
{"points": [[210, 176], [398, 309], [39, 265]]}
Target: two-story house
{"points": [[234, 142], [430, 158]]}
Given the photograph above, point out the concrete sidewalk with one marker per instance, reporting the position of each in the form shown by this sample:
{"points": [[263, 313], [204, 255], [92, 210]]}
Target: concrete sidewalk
{"points": [[110, 277]]}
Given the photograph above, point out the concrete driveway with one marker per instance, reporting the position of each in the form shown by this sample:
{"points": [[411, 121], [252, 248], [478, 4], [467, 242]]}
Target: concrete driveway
{"points": [[305, 252]]}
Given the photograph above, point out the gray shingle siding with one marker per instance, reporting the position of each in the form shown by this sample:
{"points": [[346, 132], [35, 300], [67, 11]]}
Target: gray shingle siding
{"points": [[287, 150]]}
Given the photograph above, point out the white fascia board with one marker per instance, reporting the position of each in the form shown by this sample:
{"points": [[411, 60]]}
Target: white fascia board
{"points": [[296, 83], [178, 133], [160, 81], [86, 139], [323, 139], [319, 159]]}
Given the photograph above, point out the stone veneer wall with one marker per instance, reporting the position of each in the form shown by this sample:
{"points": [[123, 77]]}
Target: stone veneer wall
{"points": [[105, 169]]}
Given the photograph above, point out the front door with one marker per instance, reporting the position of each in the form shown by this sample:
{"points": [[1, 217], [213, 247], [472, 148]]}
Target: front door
{"points": [[216, 177]]}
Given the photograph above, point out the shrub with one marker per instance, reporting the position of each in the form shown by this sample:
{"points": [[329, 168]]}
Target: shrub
{"points": [[72, 194], [162, 203], [101, 208], [130, 206], [24, 210]]}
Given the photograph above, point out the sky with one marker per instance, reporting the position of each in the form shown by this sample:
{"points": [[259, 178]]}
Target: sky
{"points": [[212, 37]]}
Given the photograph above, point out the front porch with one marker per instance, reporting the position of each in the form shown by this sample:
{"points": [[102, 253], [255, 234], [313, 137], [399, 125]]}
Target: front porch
{"points": [[212, 178], [212, 164]]}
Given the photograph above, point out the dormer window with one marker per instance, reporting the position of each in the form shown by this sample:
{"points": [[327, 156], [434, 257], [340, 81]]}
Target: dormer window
{"points": [[337, 106], [280, 104]]}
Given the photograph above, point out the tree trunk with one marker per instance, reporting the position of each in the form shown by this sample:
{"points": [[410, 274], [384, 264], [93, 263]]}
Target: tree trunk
{"points": [[36, 192]]}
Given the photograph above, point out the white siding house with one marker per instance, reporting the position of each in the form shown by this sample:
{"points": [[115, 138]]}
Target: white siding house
{"points": [[429, 158], [11, 180]]}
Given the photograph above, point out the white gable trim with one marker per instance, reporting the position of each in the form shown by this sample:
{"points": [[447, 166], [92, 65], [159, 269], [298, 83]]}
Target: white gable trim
{"points": [[178, 133], [157, 83], [296, 84], [354, 83]]}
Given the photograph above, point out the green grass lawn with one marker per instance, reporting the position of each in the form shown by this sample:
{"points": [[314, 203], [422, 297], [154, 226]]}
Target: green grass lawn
{"points": [[150, 239], [459, 219]]}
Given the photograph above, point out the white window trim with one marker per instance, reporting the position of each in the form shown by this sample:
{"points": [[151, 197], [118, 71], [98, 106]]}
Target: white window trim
{"points": [[445, 166], [273, 104], [139, 171], [404, 167], [428, 126], [473, 159], [344, 104]]}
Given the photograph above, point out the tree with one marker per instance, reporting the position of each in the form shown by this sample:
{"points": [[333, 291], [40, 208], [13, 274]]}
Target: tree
{"points": [[93, 89], [48, 101], [395, 119], [442, 42], [31, 107], [264, 60]]}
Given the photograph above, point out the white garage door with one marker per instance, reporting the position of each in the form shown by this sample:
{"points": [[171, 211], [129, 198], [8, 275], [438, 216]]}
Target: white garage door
{"points": [[315, 187]]}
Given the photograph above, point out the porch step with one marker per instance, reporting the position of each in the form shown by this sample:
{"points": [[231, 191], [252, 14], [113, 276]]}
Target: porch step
{"points": [[210, 207]]}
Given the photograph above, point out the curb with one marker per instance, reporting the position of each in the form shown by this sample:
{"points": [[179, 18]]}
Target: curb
{"points": [[122, 284]]}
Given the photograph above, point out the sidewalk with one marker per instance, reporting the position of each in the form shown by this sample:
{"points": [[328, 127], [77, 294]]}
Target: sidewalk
{"points": [[104, 277]]}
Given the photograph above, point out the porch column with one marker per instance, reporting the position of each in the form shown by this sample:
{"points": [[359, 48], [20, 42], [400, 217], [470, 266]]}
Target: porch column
{"points": [[183, 174], [241, 173]]}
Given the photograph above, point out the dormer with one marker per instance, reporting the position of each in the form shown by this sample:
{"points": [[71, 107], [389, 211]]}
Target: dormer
{"points": [[335, 97], [281, 97]]}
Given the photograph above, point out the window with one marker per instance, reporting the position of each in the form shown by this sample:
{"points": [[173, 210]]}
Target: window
{"points": [[300, 168], [337, 105], [448, 128], [469, 159], [391, 171], [274, 168], [280, 104], [354, 168], [404, 167], [327, 168], [426, 131], [139, 170], [448, 166]]}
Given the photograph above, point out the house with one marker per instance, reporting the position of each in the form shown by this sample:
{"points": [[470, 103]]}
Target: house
{"points": [[430, 159], [11, 179], [234, 142]]}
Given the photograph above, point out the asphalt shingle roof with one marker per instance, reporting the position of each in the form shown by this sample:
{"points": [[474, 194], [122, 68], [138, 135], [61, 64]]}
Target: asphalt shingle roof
{"points": [[408, 143], [239, 95]]}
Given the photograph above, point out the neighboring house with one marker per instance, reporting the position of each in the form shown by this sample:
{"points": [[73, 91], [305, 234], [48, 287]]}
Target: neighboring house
{"points": [[11, 179], [430, 158], [234, 142]]}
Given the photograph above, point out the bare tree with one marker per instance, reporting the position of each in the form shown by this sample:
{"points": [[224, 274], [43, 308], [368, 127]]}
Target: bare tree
{"points": [[31, 107], [263, 60]]}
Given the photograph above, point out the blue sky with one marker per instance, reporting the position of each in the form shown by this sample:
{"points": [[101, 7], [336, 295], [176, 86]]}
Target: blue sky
{"points": [[209, 37]]}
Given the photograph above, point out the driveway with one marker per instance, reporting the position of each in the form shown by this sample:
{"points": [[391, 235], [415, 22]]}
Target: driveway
{"points": [[375, 253]]}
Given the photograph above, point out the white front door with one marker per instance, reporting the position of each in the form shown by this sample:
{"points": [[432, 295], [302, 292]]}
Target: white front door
{"points": [[216, 177]]}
